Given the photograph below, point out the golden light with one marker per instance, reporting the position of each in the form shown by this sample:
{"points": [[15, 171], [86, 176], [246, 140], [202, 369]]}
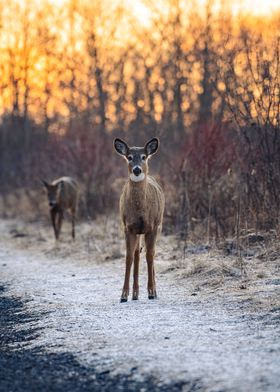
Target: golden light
{"points": [[256, 7], [134, 22], [252, 7], [139, 9]]}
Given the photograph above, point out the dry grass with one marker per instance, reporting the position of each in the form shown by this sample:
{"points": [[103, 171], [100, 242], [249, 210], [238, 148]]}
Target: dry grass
{"points": [[200, 268]]}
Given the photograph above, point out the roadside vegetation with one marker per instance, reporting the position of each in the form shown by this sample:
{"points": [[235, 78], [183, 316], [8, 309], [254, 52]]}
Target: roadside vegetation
{"points": [[203, 80]]}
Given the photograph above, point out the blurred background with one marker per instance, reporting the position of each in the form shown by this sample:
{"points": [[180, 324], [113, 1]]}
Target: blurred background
{"points": [[202, 75]]}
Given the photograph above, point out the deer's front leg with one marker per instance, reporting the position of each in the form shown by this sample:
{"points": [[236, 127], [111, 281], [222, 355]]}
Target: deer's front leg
{"points": [[53, 219], [131, 240], [59, 222], [135, 293], [150, 241]]}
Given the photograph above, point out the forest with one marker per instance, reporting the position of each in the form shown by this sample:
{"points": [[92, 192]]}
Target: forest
{"points": [[204, 80], [89, 305]]}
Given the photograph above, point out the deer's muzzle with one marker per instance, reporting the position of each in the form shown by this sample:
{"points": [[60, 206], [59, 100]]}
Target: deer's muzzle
{"points": [[137, 170]]}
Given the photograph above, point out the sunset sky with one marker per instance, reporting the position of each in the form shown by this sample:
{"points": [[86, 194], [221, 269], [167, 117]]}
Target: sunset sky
{"points": [[256, 7], [141, 11], [49, 36]]}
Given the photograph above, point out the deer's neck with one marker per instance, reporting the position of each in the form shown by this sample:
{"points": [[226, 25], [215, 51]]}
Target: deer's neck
{"points": [[137, 193]]}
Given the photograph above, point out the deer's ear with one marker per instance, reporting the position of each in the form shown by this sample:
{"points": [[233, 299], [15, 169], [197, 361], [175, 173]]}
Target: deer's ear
{"points": [[45, 183], [152, 146], [121, 147]]}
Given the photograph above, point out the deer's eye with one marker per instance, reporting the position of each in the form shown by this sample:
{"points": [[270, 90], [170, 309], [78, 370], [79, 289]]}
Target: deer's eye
{"points": [[143, 157], [129, 158]]}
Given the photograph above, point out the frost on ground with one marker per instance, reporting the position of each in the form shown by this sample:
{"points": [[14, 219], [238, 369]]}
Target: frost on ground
{"points": [[212, 328]]}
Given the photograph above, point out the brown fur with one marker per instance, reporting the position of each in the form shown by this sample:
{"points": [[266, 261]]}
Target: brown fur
{"points": [[141, 206], [62, 195], [141, 210]]}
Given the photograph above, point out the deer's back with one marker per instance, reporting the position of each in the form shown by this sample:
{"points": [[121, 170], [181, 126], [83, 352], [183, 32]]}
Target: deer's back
{"points": [[67, 196]]}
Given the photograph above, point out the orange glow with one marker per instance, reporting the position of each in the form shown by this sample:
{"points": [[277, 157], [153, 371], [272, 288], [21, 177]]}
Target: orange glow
{"points": [[140, 9], [59, 40]]}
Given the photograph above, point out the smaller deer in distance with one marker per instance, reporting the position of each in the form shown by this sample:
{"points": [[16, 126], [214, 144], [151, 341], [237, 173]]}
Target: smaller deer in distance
{"points": [[141, 208], [62, 195]]}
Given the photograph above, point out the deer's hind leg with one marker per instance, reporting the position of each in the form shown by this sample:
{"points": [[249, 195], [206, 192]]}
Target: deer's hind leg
{"points": [[131, 241], [150, 242], [135, 293], [73, 213]]}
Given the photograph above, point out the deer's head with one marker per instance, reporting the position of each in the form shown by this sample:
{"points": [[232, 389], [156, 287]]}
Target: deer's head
{"points": [[137, 157], [52, 193]]}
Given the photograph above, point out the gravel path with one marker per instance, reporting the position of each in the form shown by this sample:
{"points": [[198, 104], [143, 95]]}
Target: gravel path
{"points": [[63, 329]]}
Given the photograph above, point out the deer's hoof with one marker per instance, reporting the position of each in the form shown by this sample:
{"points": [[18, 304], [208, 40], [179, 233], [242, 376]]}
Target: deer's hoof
{"points": [[135, 294], [152, 294], [123, 300]]}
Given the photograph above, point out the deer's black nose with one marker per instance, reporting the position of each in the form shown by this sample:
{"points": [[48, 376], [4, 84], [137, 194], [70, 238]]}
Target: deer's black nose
{"points": [[137, 170], [51, 203]]}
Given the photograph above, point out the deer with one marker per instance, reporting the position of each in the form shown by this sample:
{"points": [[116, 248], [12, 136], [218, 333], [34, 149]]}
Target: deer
{"points": [[141, 209], [62, 195]]}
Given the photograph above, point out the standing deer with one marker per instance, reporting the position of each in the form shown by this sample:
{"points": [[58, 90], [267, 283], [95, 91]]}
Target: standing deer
{"points": [[141, 209], [62, 195]]}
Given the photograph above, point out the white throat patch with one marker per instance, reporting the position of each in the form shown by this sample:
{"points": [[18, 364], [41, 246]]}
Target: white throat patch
{"points": [[135, 178]]}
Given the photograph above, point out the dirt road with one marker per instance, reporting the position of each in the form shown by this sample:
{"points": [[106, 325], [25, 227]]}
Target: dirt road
{"points": [[63, 328]]}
